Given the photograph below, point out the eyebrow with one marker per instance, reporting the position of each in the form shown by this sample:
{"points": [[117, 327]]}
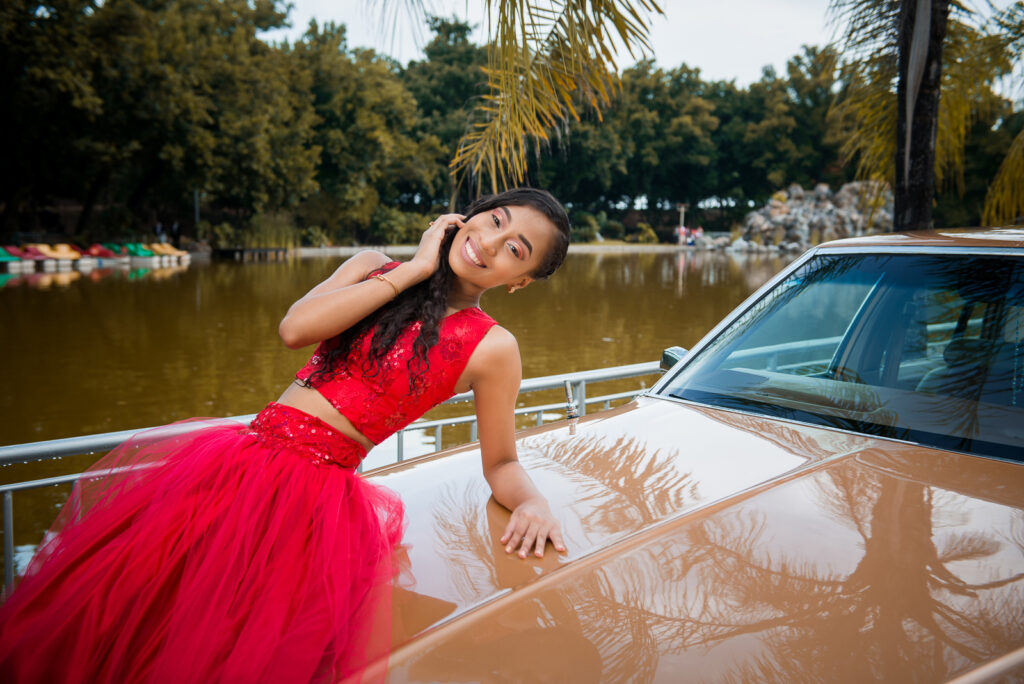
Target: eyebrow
{"points": [[522, 237]]}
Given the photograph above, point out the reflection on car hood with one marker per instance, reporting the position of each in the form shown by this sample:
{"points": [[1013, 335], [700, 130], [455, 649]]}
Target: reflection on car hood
{"points": [[742, 550]]}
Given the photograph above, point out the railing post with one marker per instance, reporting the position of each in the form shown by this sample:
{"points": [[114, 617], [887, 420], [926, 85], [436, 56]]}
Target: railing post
{"points": [[400, 445], [472, 431], [540, 417], [581, 397], [8, 542], [437, 438]]}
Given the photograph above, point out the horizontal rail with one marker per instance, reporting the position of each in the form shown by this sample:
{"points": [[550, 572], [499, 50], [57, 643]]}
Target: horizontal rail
{"points": [[90, 444], [546, 382]]}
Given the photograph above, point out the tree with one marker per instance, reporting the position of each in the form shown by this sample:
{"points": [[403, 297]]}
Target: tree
{"points": [[899, 57], [446, 85], [364, 133], [546, 61]]}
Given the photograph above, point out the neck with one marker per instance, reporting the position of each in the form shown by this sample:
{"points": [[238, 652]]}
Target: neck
{"points": [[459, 298], [457, 303]]}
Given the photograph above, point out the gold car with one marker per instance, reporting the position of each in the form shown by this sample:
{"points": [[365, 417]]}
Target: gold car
{"points": [[828, 487]]}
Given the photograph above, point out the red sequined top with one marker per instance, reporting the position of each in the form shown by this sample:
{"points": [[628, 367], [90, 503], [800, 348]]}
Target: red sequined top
{"points": [[380, 404]]}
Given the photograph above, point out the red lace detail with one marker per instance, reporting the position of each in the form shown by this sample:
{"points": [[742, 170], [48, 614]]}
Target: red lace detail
{"points": [[289, 428], [380, 403]]}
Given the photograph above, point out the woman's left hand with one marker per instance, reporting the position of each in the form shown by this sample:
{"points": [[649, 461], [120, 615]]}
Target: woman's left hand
{"points": [[531, 526]]}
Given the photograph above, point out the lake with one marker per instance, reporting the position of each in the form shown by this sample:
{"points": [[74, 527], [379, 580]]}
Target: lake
{"points": [[132, 348]]}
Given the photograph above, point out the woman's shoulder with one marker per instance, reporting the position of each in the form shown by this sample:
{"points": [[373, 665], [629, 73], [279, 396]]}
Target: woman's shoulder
{"points": [[370, 259], [497, 341]]}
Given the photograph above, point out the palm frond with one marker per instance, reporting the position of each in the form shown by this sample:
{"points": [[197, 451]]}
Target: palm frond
{"points": [[972, 61], [864, 118], [546, 59], [1004, 201]]}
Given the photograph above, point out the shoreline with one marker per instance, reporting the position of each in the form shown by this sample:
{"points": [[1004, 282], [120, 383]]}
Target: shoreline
{"points": [[409, 250]]}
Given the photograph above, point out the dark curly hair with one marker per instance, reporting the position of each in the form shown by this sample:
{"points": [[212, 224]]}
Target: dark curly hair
{"points": [[427, 301]]}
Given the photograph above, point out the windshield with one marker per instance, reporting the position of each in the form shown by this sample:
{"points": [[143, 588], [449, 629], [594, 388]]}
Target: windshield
{"points": [[923, 348]]}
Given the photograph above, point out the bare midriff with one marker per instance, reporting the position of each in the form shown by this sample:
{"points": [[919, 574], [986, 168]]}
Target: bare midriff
{"points": [[310, 401]]}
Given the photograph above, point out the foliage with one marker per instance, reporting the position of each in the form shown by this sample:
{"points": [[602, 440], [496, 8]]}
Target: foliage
{"points": [[546, 60], [446, 87], [365, 117], [121, 110], [584, 227], [613, 230], [391, 226], [272, 229], [643, 234], [315, 236], [977, 52]]}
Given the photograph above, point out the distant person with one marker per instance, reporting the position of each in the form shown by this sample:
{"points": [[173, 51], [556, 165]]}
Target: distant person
{"points": [[176, 234], [158, 229], [681, 235], [257, 553]]}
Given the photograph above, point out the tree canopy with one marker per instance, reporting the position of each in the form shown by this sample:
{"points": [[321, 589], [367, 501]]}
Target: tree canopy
{"points": [[118, 114]]}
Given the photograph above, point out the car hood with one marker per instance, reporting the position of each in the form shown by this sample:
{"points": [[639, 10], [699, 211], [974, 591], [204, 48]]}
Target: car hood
{"points": [[714, 545]]}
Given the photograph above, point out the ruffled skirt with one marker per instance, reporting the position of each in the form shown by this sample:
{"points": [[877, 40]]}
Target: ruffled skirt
{"points": [[227, 554]]}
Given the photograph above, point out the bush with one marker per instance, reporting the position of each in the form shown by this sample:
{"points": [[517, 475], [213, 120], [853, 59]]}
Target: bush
{"points": [[224, 235], [613, 230], [274, 229], [645, 234], [315, 236], [584, 227], [391, 226]]}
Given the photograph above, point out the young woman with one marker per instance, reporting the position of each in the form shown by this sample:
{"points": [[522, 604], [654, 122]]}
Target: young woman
{"points": [[257, 554]]}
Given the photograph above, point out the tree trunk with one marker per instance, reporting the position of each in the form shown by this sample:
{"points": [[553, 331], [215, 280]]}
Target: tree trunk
{"points": [[922, 31]]}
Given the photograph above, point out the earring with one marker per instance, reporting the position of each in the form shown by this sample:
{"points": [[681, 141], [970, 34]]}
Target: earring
{"points": [[511, 288]]}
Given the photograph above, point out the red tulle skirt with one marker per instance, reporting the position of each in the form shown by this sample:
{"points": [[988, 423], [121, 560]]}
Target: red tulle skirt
{"points": [[227, 554]]}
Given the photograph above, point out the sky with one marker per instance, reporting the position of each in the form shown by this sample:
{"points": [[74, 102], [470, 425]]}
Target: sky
{"points": [[725, 39]]}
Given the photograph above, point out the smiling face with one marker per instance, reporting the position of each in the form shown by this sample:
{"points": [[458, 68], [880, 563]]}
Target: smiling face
{"points": [[501, 246]]}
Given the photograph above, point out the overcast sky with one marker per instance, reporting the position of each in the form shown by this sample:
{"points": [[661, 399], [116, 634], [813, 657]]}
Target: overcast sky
{"points": [[725, 39]]}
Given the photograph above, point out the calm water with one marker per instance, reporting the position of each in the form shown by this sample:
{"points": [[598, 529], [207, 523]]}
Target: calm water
{"points": [[129, 349]]}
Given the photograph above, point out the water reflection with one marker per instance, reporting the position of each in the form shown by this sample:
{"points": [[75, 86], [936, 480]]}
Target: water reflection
{"points": [[608, 496], [892, 565], [63, 278]]}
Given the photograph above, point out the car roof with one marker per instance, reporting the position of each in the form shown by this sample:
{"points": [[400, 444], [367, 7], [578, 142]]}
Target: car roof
{"points": [[981, 238]]}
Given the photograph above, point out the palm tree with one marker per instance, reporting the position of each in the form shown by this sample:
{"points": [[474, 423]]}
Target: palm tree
{"points": [[900, 55], [547, 59]]}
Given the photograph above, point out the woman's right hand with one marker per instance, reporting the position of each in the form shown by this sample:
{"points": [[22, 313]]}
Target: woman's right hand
{"points": [[426, 257]]}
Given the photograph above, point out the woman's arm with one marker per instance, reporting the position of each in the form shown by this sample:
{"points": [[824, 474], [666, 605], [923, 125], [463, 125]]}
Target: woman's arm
{"points": [[496, 372], [347, 297]]}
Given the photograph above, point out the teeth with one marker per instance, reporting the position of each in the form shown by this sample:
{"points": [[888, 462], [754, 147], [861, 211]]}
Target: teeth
{"points": [[472, 254]]}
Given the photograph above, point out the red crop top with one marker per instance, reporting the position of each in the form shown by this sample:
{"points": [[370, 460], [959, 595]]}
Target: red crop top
{"points": [[382, 404]]}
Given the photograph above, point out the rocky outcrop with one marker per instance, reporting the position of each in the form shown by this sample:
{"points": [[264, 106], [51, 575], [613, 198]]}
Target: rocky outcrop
{"points": [[794, 219]]}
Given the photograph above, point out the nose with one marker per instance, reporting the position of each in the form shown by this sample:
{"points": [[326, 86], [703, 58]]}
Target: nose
{"points": [[491, 242]]}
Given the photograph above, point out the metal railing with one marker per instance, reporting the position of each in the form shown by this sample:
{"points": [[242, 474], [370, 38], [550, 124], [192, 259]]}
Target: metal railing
{"points": [[575, 385]]}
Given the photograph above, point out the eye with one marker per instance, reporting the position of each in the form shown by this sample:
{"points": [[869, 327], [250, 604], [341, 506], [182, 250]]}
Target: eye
{"points": [[497, 223], [515, 249]]}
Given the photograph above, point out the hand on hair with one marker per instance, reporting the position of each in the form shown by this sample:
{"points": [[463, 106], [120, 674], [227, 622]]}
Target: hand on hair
{"points": [[427, 253]]}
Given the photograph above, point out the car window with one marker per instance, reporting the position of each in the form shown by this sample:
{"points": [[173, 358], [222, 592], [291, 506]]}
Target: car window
{"points": [[925, 348]]}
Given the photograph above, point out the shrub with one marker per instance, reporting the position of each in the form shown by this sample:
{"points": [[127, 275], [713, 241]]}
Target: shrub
{"points": [[613, 230], [392, 226], [645, 234], [584, 227], [315, 236], [273, 229]]}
